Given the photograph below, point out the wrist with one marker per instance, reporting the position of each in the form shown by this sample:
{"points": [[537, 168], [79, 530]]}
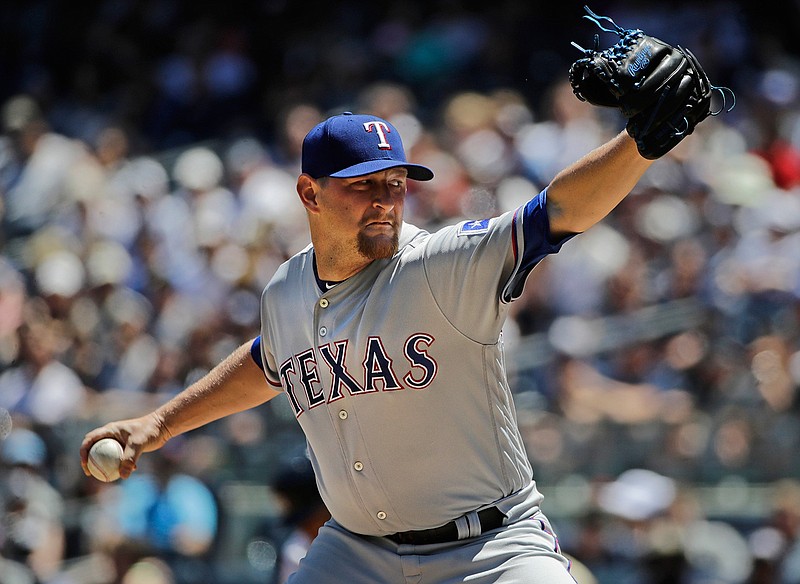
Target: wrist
{"points": [[163, 432]]}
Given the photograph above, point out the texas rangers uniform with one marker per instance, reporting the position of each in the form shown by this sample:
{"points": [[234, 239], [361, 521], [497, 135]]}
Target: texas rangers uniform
{"points": [[397, 378]]}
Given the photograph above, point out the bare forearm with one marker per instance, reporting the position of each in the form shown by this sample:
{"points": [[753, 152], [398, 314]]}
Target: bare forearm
{"points": [[585, 192], [234, 385]]}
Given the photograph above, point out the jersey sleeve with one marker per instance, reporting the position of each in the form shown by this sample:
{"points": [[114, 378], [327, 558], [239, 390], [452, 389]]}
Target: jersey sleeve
{"points": [[531, 243], [476, 268], [259, 355]]}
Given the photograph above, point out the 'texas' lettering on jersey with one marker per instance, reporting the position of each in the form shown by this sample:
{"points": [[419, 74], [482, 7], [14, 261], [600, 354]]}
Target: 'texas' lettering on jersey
{"points": [[301, 375]]}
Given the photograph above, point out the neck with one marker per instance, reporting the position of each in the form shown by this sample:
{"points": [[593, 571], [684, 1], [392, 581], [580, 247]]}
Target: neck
{"points": [[334, 269], [336, 260]]}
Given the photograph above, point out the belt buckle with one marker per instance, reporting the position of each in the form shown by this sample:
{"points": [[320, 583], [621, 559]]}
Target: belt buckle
{"points": [[467, 526]]}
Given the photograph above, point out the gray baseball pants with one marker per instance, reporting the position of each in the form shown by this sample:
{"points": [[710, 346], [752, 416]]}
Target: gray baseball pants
{"points": [[525, 552]]}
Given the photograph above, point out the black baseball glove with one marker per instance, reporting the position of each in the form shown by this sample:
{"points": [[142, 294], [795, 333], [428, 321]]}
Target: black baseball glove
{"points": [[662, 90]]}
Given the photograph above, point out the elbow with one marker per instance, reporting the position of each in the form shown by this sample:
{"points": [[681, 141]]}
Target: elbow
{"points": [[564, 223]]}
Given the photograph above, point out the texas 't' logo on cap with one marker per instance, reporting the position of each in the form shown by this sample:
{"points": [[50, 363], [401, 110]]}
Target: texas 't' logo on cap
{"points": [[381, 128], [348, 145]]}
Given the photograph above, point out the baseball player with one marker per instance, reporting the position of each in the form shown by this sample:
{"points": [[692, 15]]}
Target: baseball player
{"points": [[386, 341]]}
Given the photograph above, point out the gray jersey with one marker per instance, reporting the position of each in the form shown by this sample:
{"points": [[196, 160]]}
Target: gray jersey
{"points": [[396, 375]]}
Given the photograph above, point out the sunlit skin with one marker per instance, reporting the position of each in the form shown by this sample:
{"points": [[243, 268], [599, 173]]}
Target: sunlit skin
{"points": [[353, 221]]}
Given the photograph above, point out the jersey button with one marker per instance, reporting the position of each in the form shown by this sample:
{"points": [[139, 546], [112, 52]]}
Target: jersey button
{"points": [[343, 414], [381, 515], [323, 331], [324, 302], [359, 466]]}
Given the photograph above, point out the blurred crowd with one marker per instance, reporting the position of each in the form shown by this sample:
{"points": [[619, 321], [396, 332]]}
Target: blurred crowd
{"points": [[147, 195]]}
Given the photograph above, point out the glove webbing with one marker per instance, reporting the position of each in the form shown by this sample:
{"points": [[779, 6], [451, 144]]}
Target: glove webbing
{"points": [[627, 38]]}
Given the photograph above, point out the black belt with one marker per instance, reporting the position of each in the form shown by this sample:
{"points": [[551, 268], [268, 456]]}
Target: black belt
{"points": [[489, 518]]}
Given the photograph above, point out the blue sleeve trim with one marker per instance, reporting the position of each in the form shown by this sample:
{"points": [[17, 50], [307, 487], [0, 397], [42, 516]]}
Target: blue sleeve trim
{"points": [[255, 352], [536, 243]]}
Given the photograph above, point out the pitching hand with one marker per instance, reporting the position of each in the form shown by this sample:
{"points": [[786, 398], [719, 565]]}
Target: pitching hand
{"points": [[136, 435]]}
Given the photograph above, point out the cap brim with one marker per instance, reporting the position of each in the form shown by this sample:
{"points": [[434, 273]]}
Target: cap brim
{"points": [[415, 171]]}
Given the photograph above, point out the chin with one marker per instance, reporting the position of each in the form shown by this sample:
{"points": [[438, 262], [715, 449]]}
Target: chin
{"points": [[378, 247]]}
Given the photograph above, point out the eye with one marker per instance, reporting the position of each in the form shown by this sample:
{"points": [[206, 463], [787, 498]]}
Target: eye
{"points": [[361, 184]]}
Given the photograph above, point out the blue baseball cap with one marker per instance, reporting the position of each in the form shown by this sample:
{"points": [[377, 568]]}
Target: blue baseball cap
{"points": [[348, 145]]}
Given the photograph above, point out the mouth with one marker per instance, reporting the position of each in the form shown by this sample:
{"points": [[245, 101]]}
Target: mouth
{"points": [[380, 225]]}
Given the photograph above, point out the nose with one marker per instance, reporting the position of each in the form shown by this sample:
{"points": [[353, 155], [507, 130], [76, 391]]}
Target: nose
{"points": [[383, 197]]}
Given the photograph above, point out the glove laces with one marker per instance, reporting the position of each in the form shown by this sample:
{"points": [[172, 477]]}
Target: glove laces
{"points": [[618, 52]]}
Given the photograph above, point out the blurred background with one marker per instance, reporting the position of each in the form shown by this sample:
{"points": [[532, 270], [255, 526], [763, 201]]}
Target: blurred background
{"points": [[147, 163]]}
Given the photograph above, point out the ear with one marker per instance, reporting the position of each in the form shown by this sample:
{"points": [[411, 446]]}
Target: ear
{"points": [[307, 189]]}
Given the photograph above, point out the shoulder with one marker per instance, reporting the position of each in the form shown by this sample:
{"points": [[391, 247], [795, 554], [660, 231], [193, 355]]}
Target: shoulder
{"points": [[411, 235], [469, 233], [292, 268]]}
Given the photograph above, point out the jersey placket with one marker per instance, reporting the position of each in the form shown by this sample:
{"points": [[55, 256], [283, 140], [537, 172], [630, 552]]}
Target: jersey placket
{"points": [[343, 412]]}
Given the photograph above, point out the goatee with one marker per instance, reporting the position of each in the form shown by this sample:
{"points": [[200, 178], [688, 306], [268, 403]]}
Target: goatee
{"points": [[378, 247]]}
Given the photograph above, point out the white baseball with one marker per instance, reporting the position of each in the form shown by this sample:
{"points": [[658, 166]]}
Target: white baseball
{"points": [[104, 459]]}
